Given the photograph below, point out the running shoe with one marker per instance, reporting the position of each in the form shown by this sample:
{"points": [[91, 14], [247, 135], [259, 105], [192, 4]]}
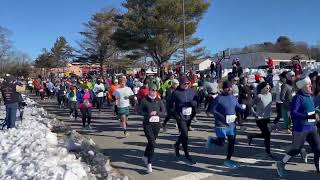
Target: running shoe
{"points": [[231, 164], [304, 155], [281, 168], [149, 168]]}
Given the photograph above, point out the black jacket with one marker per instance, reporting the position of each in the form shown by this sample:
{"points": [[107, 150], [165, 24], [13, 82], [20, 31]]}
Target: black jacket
{"points": [[9, 93], [148, 105]]}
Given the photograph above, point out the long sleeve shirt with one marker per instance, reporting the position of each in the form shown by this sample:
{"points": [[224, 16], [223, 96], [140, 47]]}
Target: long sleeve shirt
{"points": [[148, 105], [302, 105]]}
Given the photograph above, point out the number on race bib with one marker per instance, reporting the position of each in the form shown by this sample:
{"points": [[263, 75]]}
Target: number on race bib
{"points": [[230, 118], [154, 119], [187, 111]]}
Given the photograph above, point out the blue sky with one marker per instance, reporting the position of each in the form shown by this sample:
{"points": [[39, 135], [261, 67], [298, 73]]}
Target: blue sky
{"points": [[36, 24]]}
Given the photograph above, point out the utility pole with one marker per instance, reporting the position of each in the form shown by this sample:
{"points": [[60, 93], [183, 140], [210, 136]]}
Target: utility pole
{"points": [[184, 38]]}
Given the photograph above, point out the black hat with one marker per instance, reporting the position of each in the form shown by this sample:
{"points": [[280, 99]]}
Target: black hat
{"points": [[226, 84], [184, 80]]}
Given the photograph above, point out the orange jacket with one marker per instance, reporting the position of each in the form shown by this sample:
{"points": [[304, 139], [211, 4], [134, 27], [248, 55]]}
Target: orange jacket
{"points": [[113, 87]]}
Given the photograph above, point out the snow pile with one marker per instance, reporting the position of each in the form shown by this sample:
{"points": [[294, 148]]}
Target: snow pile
{"points": [[32, 151]]}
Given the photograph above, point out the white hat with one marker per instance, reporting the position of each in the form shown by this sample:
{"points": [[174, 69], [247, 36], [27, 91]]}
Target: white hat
{"points": [[175, 81], [290, 74], [302, 82]]}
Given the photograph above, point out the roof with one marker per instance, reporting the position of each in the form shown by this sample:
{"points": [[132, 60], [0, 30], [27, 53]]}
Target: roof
{"points": [[280, 56], [199, 61], [284, 56]]}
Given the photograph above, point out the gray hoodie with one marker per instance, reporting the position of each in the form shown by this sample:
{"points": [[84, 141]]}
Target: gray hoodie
{"points": [[286, 95], [263, 106]]}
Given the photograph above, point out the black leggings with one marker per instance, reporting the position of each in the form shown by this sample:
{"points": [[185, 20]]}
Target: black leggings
{"points": [[265, 133], [312, 138], [183, 137], [169, 115], [73, 108], [151, 131], [221, 141], [279, 113], [99, 103], [86, 116]]}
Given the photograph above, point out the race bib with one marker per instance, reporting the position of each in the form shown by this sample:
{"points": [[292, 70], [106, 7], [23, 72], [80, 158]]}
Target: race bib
{"points": [[293, 94], [41, 90], [154, 119], [311, 120], [187, 111], [64, 92], [230, 118]]}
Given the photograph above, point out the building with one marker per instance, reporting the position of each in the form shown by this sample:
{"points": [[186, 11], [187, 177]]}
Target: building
{"points": [[202, 64], [256, 59]]}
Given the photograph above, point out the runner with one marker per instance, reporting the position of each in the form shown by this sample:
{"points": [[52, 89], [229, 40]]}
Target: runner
{"points": [[304, 125], [286, 94], [224, 111], [170, 112], [73, 103], [111, 98], [183, 100], [262, 114], [98, 91], [279, 103], [122, 95], [245, 97], [85, 98], [151, 109]]}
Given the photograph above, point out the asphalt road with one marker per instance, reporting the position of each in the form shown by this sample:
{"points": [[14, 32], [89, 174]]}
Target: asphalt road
{"points": [[126, 153]]}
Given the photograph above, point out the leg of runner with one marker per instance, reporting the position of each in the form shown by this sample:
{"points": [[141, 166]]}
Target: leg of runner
{"points": [[314, 142], [297, 143], [183, 139], [151, 131], [265, 133], [89, 116], [164, 124], [84, 117], [279, 113]]}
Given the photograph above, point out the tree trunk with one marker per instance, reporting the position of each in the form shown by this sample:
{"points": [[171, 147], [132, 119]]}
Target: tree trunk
{"points": [[101, 68]]}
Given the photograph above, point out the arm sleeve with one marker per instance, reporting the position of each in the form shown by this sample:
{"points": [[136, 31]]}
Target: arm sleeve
{"points": [[216, 112], [296, 104], [143, 111], [162, 112]]}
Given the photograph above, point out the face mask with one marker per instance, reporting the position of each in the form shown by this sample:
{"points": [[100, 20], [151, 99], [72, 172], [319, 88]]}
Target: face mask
{"points": [[86, 90], [152, 97]]}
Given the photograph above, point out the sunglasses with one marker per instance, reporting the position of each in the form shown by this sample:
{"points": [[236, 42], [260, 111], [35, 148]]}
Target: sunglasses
{"points": [[186, 83], [153, 90]]}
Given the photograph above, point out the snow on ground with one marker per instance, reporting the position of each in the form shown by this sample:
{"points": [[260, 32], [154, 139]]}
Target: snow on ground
{"points": [[32, 151]]}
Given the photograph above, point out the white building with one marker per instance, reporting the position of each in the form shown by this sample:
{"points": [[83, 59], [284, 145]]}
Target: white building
{"points": [[202, 64], [256, 59]]}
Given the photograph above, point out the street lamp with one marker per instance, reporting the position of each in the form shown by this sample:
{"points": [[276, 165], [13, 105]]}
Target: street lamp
{"points": [[184, 39]]}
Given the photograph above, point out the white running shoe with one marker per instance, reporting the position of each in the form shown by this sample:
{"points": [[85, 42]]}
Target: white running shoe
{"points": [[149, 168]]}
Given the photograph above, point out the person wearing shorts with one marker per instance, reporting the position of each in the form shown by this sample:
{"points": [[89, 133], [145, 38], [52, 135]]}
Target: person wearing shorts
{"points": [[122, 95], [224, 111]]}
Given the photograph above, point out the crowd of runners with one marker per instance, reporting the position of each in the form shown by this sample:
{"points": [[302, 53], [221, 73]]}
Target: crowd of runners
{"points": [[231, 100]]}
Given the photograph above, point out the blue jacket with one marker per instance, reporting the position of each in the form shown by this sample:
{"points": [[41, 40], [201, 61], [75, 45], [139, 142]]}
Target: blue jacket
{"points": [[301, 105], [223, 105], [80, 96], [182, 98]]}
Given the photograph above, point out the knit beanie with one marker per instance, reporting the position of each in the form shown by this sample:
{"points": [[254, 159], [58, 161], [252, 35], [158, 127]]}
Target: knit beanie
{"points": [[303, 81]]}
